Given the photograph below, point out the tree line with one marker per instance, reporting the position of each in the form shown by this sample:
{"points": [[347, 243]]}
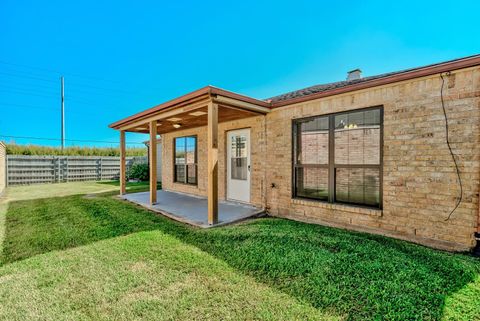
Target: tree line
{"points": [[14, 149]]}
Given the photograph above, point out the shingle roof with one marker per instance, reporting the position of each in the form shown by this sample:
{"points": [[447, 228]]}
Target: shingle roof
{"points": [[339, 84]]}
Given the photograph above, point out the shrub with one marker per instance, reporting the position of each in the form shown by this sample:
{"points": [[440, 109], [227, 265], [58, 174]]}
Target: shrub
{"points": [[138, 171]]}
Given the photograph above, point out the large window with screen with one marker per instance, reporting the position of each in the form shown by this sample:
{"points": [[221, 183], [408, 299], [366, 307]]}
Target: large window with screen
{"points": [[185, 162], [338, 158]]}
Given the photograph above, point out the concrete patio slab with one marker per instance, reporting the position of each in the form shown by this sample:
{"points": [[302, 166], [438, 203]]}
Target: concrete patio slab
{"points": [[192, 209]]}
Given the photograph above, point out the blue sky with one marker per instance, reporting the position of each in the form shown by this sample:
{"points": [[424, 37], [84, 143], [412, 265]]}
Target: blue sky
{"points": [[120, 57]]}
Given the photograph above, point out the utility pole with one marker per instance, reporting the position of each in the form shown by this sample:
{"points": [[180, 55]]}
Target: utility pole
{"points": [[63, 111]]}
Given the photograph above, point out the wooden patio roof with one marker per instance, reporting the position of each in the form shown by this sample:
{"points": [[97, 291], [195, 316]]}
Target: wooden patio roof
{"points": [[190, 111]]}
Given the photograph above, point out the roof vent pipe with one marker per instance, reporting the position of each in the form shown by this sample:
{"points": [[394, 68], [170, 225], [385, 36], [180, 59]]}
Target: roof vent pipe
{"points": [[354, 74]]}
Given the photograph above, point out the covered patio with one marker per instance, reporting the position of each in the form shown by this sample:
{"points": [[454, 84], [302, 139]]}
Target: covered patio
{"points": [[193, 209], [206, 107]]}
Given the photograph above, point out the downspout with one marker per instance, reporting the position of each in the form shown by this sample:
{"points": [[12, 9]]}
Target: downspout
{"points": [[265, 152], [476, 249]]}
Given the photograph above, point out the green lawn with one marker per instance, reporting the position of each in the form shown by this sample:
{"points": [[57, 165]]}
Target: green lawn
{"points": [[75, 258]]}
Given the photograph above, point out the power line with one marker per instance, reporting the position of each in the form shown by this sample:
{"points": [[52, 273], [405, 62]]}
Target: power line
{"points": [[38, 107], [25, 66], [76, 75], [58, 72], [18, 92], [88, 92], [36, 77], [29, 77], [39, 91], [120, 91], [28, 85], [26, 106], [70, 140]]}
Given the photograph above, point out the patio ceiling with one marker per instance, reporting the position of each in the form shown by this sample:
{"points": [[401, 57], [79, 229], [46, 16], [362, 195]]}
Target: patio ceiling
{"points": [[191, 111], [193, 118]]}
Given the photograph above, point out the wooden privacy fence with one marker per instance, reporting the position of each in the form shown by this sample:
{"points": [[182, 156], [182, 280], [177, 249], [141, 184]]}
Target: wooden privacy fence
{"points": [[26, 169]]}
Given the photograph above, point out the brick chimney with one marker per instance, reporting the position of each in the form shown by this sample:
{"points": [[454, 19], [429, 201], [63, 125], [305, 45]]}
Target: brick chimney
{"points": [[354, 74]]}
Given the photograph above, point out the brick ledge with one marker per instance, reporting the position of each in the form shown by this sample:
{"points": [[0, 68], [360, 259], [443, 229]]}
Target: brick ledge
{"points": [[338, 207]]}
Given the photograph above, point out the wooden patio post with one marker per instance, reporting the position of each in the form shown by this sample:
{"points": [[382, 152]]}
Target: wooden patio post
{"points": [[152, 150], [123, 175], [212, 149]]}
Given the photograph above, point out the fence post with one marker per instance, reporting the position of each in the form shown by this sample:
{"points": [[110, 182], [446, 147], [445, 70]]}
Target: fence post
{"points": [[55, 169], [62, 169], [99, 169], [65, 170], [6, 171]]}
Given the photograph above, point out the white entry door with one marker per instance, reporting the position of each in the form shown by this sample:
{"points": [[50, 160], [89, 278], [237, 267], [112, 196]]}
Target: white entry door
{"points": [[238, 165]]}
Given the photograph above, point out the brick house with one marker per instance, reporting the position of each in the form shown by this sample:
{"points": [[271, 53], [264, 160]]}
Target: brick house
{"points": [[368, 153]]}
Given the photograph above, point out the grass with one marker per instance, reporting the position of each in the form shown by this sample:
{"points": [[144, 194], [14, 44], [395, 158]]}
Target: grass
{"points": [[77, 257], [30, 192]]}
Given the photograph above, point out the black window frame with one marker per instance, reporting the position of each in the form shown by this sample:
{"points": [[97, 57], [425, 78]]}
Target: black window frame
{"points": [[331, 166], [175, 180]]}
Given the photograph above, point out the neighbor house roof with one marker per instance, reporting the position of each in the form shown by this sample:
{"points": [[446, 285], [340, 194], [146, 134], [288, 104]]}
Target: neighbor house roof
{"points": [[313, 92]]}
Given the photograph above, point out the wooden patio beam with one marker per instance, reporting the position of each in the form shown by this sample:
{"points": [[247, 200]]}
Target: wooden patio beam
{"points": [[123, 169], [152, 150], [212, 150], [241, 105]]}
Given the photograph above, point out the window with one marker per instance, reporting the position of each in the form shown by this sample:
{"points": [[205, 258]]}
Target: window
{"points": [[185, 165], [238, 157], [337, 158]]}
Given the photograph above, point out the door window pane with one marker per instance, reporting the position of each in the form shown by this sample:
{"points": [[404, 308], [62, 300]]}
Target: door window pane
{"points": [[312, 182], [238, 157], [239, 146], [238, 168], [357, 186]]}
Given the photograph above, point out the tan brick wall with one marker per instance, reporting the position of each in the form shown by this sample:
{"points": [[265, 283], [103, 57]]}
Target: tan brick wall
{"points": [[257, 160], [3, 160], [419, 180], [420, 184]]}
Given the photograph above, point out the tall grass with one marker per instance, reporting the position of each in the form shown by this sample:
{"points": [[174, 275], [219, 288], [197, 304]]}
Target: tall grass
{"points": [[14, 149]]}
